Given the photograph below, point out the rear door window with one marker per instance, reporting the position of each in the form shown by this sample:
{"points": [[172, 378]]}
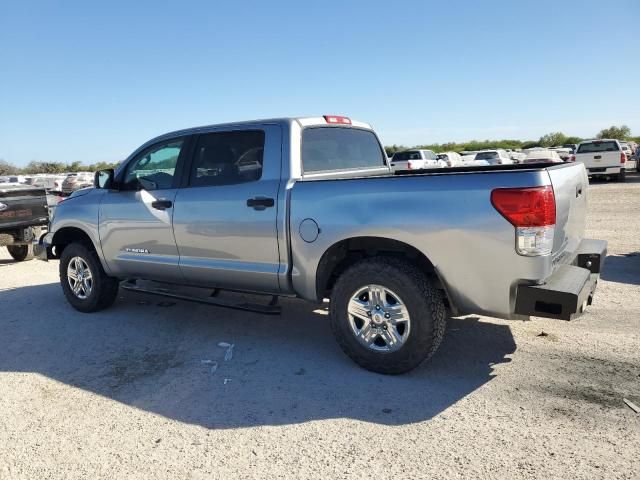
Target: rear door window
{"points": [[336, 148], [228, 158], [594, 147]]}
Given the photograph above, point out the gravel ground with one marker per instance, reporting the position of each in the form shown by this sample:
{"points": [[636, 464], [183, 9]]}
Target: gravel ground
{"points": [[125, 393]]}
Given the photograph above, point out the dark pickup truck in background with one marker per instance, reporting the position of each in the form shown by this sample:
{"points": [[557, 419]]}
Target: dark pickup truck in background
{"points": [[23, 212]]}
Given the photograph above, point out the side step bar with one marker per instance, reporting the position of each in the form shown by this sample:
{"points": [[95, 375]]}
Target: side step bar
{"points": [[270, 309]]}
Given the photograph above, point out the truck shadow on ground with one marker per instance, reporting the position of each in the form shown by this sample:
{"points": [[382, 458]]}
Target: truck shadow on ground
{"points": [[622, 268], [157, 356]]}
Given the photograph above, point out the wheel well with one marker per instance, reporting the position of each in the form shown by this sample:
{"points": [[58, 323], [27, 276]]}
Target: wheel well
{"points": [[68, 235], [345, 253]]}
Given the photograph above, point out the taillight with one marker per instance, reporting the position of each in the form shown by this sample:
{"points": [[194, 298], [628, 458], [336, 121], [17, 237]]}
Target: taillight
{"points": [[623, 157], [337, 119], [572, 158], [409, 166], [533, 212]]}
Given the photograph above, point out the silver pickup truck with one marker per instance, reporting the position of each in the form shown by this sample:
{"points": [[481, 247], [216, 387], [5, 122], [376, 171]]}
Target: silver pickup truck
{"points": [[308, 208]]}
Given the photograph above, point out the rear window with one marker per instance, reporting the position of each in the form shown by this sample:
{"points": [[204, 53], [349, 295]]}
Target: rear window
{"points": [[335, 148], [593, 147], [487, 156], [403, 156]]}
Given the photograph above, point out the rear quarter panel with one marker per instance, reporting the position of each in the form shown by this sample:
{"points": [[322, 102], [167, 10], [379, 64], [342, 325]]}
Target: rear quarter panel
{"points": [[447, 216]]}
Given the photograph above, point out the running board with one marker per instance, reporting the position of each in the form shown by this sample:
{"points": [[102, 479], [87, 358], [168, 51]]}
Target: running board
{"points": [[271, 309]]}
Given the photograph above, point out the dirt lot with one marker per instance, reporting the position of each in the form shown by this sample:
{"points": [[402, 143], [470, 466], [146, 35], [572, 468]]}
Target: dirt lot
{"points": [[125, 393]]}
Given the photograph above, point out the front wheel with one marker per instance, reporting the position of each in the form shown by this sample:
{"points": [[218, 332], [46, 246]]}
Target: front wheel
{"points": [[84, 282], [21, 253], [386, 316]]}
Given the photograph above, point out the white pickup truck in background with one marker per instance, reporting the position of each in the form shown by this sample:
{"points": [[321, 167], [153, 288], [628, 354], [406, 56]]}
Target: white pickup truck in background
{"points": [[602, 158]]}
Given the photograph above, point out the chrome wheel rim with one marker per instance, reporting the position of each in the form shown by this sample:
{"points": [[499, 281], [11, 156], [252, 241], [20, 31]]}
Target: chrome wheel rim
{"points": [[79, 277], [379, 318]]}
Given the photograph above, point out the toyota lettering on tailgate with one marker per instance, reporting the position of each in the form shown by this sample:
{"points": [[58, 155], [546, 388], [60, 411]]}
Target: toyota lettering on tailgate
{"points": [[16, 213]]}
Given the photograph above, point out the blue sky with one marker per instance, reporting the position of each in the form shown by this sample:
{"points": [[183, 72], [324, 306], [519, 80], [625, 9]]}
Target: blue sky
{"points": [[90, 81]]}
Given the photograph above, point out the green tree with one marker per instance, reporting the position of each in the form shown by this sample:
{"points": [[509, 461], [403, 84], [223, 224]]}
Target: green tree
{"points": [[390, 150], [572, 140], [7, 168], [75, 167], [553, 139], [619, 133]]}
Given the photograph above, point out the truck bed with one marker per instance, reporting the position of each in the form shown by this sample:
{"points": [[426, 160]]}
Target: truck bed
{"points": [[22, 206], [447, 215]]}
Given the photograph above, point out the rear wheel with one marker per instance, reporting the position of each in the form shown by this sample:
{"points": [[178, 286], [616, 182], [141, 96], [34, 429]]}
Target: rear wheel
{"points": [[622, 176], [21, 253], [386, 316], [84, 282]]}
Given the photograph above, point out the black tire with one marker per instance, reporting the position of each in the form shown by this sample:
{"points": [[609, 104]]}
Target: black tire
{"points": [[21, 253], [622, 176], [424, 303], [104, 289]]}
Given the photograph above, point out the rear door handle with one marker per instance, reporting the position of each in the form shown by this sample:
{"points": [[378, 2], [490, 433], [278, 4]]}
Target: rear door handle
{"points": [[161, 204], [260, 203]]}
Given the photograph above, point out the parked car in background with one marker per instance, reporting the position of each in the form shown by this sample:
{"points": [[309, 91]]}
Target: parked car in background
{"points": [[324, 218], [571, 146], [602, 158], [415, 160], [76, 181], [14, 179], [632, 161], [517, 156], [543, 156], [23, 212], [564, 152], [49, 182], [494, 157], [452, 159]]}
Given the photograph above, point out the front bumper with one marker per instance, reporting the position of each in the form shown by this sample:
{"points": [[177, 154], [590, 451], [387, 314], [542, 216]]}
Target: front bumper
{"points": [[569, 290]]}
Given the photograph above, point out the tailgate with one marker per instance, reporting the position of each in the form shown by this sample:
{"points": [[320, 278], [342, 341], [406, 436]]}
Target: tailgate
{"points": [[22, 206], [570, 183], [599, 159]]}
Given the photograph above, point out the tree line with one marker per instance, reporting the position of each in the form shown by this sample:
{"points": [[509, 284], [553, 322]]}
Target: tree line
{"points": [[33, 167], [549, 140], [553, 139]]}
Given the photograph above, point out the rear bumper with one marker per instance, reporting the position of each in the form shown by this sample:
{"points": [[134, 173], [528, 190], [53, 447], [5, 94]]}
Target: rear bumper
{"points": [[605, 170], [567, 293]]}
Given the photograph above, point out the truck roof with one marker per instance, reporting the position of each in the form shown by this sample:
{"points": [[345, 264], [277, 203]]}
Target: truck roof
{"points": [[303, 121]]}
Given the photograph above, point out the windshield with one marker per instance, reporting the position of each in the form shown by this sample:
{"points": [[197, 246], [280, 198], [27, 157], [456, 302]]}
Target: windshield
{"points": [[594, 147], [429, 155], [338, 148]]}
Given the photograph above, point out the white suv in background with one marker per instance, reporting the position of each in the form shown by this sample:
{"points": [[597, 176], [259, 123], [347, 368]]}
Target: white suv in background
{"points": [[415, 160], [494, 157]]}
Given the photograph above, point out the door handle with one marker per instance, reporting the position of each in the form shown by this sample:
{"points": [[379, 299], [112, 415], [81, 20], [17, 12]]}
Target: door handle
{"points": [[161, 204], [260, 203]]}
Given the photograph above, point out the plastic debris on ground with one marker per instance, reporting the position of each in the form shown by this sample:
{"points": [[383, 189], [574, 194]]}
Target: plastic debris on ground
{"points": [[228, 355], [631, 405]]}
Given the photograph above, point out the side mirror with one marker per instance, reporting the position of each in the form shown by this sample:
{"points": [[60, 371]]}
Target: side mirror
{"points": [[104, 179]]}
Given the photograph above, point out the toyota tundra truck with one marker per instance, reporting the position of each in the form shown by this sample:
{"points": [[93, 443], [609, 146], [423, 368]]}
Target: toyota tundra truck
{"points": [[309, 208]]}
